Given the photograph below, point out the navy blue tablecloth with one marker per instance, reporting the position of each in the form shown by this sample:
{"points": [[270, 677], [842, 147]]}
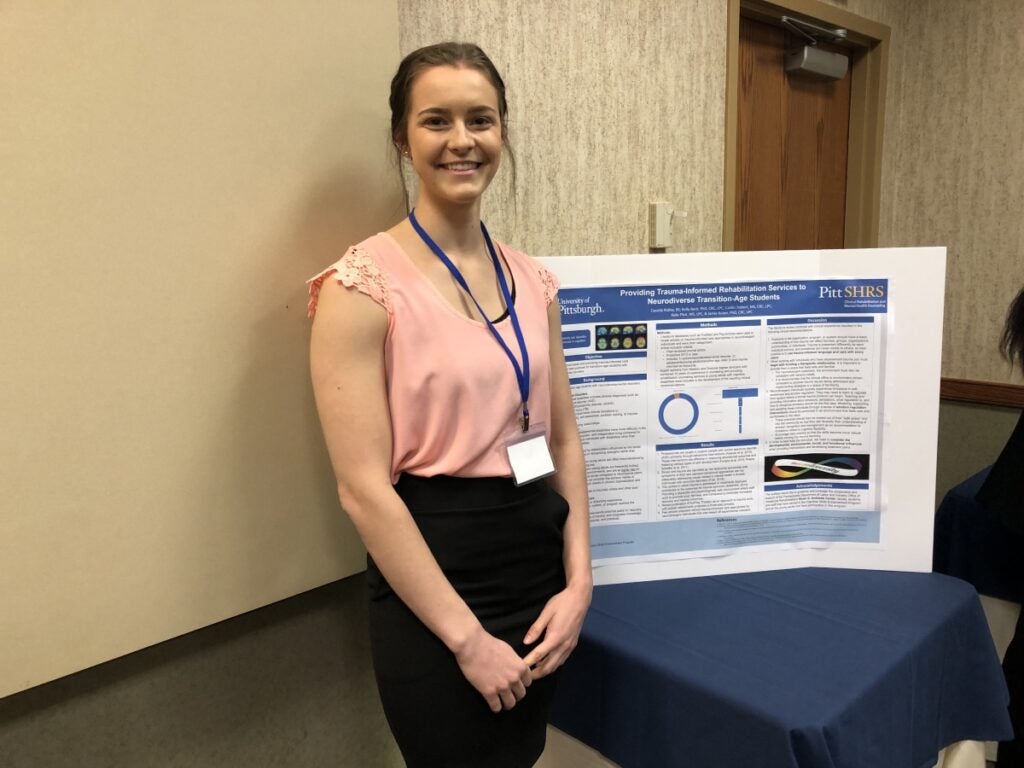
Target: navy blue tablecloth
{"points": [[972, 544], [807, 668]]}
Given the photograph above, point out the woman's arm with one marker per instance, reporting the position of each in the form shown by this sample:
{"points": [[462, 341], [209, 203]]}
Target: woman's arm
{"points": [[562, 618], [347, 366]]}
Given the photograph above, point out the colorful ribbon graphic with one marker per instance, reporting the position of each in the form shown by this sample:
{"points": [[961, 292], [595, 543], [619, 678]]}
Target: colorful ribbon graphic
{"points": [[850, 467]]}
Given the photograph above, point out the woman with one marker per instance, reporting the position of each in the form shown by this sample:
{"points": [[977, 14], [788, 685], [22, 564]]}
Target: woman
{"points": [[441, 386], [1003, 493]]}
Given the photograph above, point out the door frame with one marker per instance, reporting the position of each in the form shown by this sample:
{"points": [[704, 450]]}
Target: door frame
{"points": [[869, 69]]}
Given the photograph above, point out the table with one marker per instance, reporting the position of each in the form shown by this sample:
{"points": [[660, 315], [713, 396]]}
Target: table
{"points": [[807, 668], [972, 544]]}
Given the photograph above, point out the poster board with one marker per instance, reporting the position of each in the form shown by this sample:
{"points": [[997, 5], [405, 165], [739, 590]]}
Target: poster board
{"points": [[756, 411]]}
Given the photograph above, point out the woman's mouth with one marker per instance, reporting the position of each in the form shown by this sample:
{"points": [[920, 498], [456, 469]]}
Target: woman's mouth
{"points": [[461, 169]]}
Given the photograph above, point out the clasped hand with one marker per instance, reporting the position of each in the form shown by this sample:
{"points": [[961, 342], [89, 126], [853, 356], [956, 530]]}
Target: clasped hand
{"points": [[559, 625], [496, 670]]}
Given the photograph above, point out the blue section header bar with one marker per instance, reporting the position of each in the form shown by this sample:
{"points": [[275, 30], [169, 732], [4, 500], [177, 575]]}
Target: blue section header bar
{"points": [[805, 486], [642, 303], [609, 379], [707, 324], [727, 393], [819, 320], [604, 356], [715, 444]]}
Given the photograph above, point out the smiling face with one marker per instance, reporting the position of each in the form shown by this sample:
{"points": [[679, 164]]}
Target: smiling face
{"points": [[454, 134]]}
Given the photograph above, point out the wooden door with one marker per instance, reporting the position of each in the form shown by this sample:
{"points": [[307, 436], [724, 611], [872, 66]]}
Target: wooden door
{"points": [[792, 148]]}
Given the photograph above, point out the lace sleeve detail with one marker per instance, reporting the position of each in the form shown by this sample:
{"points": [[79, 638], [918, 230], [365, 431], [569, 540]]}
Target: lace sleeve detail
{"points": [[549, 281], [356, 269]]}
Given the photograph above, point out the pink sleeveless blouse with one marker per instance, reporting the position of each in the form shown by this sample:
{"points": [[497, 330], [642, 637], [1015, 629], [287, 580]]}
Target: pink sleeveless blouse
{"points": [[451, 389]]}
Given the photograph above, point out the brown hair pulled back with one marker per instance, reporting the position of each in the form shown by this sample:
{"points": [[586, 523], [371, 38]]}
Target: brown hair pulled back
{"points": [[1012, 341], [449, 54]]}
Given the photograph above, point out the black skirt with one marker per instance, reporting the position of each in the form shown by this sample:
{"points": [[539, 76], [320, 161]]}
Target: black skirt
{"points": [[501, 548]]}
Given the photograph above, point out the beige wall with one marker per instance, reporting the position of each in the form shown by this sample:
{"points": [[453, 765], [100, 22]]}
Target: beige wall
{"points": [[957, 160], [613, 104], [172, 172]]}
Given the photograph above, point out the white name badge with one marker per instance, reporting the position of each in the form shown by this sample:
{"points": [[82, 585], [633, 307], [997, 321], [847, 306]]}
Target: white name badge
{"points": [[529, 455]]}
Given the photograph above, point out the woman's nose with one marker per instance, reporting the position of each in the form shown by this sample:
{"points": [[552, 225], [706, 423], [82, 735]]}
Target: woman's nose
{"points": [[460, 137]]}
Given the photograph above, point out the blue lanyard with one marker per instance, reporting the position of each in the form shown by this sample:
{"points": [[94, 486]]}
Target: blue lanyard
{"points": [[522, 373]]}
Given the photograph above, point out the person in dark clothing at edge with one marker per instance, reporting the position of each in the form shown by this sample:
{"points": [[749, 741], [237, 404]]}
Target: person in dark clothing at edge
{"points": [[1003, 494]]}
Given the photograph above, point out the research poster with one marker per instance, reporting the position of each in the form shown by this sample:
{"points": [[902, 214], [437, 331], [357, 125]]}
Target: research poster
{"points": [[744, 422]]}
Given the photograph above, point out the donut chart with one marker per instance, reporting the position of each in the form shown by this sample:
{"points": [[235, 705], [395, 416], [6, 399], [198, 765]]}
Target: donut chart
{"points": [[664, 419]]}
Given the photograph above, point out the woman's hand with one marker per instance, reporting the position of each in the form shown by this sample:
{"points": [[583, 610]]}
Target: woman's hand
{"points": [[494, 669], [559, 623]]}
